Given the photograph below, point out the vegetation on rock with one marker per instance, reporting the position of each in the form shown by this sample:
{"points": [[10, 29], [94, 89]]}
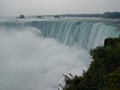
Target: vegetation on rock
{"points": [[104, 70]]}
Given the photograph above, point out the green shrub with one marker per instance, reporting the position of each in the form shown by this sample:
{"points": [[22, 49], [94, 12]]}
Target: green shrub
{"points": [[104, 70]]}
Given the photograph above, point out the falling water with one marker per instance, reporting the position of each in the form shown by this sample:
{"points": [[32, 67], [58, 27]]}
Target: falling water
{"points": [[34, 55]]}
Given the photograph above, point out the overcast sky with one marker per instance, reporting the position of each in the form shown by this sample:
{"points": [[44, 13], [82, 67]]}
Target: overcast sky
{"points": [[41, 7]]}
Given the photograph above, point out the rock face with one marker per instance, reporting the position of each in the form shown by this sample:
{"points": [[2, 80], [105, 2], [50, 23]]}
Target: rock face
{"points": [[21, 16], [112, 42]]}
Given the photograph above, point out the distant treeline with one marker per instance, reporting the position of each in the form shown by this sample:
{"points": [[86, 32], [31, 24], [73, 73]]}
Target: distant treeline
{"points": [[104, 15], [111, 15], [81, 15]]}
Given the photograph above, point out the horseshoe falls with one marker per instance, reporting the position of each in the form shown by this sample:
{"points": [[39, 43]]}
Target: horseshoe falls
{"points": [[34, 54]]}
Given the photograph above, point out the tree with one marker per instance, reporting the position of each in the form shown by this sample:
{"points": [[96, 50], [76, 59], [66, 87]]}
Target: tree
{"points": [[21, 16]]}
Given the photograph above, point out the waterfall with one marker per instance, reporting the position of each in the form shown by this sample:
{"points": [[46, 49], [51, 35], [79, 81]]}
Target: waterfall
{"points": [[86, 34], [34, 55]]}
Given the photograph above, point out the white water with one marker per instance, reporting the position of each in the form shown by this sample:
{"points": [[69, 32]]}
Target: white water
{"points": [[29, 61], [86, 34]]}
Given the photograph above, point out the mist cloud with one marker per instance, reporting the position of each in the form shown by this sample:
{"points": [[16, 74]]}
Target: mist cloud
{"points": [[31, 62]]}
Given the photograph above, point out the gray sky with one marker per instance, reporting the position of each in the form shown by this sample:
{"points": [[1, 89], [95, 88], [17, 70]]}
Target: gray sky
{"points": [[41, 7]]}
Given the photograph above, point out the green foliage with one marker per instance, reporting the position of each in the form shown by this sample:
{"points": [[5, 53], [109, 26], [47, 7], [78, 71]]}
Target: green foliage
{"points": [[104, 70], [113, 80], [108, 56], [111, 15], [21, 16]]}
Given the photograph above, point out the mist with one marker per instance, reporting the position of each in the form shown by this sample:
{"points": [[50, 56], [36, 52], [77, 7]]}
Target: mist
{"points": [[29, 61]]}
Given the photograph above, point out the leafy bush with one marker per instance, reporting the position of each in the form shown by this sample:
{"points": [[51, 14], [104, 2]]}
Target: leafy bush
{"points": [[104, 70]]}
